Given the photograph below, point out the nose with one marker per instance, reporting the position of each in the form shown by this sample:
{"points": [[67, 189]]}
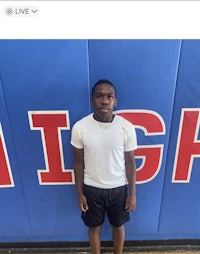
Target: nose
{"points": [[105, 100]]}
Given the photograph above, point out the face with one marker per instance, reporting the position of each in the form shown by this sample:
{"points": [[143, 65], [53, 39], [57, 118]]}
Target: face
{"points": [[104, 101]]}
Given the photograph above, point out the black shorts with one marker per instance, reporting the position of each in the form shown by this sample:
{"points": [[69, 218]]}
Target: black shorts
{"points": [[101, 201]]}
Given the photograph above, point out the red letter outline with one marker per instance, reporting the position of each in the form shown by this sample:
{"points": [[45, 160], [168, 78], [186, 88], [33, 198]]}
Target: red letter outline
{"points": [[184, 110], [148, 132], [9, 172], [39, 171]]}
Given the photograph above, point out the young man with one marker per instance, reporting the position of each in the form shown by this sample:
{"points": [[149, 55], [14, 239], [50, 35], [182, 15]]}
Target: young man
{"points": [[104, 167]]}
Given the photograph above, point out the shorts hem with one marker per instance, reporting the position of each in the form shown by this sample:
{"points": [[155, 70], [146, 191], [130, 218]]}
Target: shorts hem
{"points": [[119, 224]]}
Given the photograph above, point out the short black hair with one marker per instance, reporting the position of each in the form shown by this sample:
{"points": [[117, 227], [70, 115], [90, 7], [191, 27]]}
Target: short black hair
{"points": [[103, 81]]}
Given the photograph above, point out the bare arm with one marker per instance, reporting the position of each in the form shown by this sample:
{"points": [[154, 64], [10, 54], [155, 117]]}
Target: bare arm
{"points": [[79, 177], [131, 177]]}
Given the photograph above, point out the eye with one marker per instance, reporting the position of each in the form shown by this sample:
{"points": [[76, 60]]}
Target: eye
{"points": [[110, 97], [99, 97]]}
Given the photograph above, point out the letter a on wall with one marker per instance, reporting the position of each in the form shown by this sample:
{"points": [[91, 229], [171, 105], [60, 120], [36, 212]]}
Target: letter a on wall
{"points": [[6, 179]]}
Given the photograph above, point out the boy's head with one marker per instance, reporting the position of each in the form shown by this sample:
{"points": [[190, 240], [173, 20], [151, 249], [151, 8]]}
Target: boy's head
{"points": [[102, 81], [103, 100]]}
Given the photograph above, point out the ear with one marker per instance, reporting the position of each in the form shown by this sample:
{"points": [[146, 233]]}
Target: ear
{"points": [[115, 102], [91, 101]]}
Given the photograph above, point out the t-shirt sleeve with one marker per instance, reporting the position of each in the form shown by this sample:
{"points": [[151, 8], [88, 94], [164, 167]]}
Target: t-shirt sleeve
{"points": [[131, 138], [76, 137]]}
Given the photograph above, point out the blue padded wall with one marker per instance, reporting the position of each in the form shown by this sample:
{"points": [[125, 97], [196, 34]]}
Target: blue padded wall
{"points": [[45, 88]]}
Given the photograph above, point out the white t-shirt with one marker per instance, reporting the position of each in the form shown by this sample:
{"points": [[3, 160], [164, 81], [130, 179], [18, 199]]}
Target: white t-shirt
{"points": [[104, 145]]}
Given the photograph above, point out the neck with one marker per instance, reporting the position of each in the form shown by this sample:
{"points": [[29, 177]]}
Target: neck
{"points": [[104, 119]]}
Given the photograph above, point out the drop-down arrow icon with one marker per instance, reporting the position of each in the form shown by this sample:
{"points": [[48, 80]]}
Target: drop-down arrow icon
{"points": [[34, 11]]}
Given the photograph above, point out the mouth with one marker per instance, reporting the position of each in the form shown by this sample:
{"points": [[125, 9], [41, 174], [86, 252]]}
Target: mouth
{"points": [[104, 109]]}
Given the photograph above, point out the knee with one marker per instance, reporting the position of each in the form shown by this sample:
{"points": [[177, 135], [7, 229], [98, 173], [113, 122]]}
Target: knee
{"points": [[118, 229], [95, 230]]}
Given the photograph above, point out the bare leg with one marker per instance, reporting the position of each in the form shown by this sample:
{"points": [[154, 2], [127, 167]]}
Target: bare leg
{"points": [[95, 239], [118, 239]]}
